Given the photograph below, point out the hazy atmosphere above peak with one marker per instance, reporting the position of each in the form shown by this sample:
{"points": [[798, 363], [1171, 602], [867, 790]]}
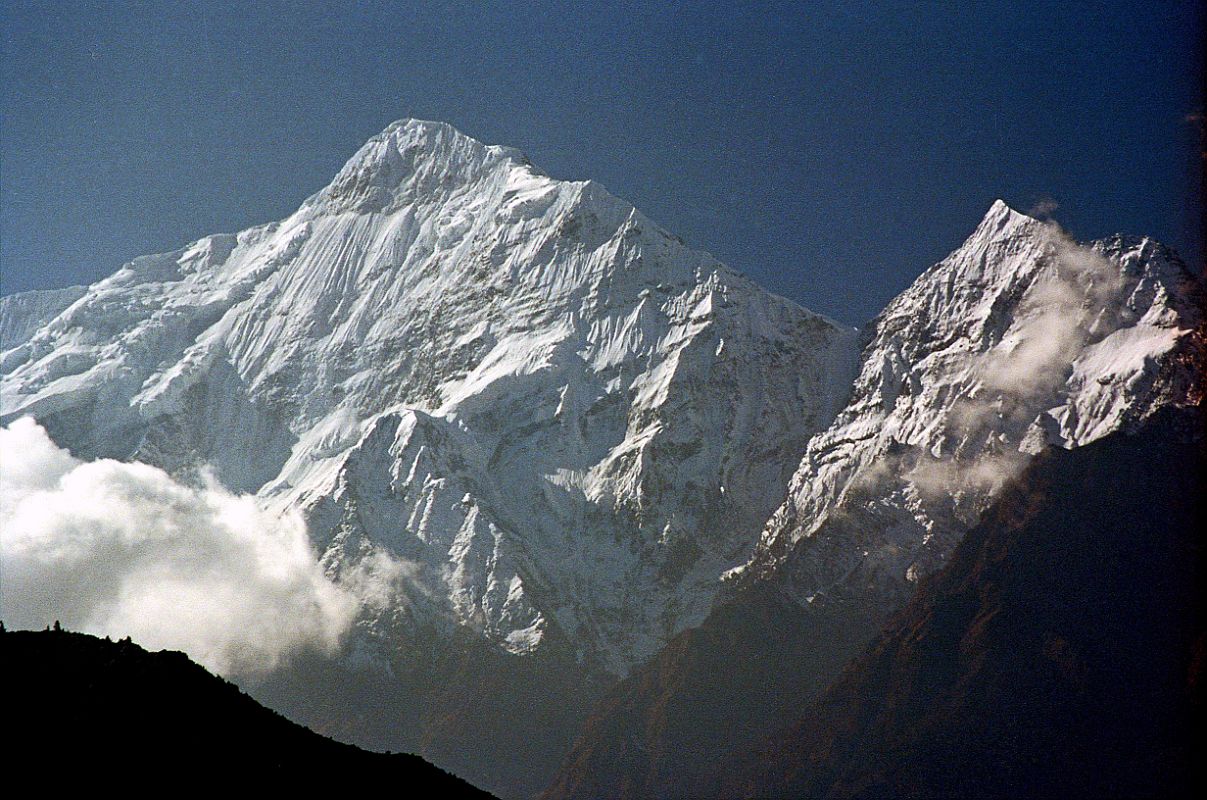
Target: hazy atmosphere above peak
{"points": [[830, 150]]}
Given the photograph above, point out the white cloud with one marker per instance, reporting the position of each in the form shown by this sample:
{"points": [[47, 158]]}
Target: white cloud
{"points": [[1020, 375], [1054, 321], [123, 549], [1044, 207]]}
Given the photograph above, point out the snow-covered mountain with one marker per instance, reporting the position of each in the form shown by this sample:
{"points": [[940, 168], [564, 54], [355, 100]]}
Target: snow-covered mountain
{"points": [[534, 433], [1019, 340], [547, 408]]}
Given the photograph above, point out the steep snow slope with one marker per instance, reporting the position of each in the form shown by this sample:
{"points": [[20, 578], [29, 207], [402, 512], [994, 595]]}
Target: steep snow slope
{"points": [[1020, 339], [23, 313], [507, 403]]}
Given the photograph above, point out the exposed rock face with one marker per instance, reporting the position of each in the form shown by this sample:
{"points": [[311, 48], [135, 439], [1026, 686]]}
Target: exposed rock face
{"points": [[1019, 340]]}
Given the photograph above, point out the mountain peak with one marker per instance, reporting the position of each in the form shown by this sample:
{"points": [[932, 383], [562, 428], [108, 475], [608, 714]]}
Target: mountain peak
{"points": [[542, 352], [432, 135], [411, 123], [1000, 207], [1002, 219], [412, 158]]}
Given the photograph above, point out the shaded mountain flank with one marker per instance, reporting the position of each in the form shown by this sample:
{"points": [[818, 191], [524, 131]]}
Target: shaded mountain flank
{"points": [[750, 669], [75, 704], [1060, 652]]}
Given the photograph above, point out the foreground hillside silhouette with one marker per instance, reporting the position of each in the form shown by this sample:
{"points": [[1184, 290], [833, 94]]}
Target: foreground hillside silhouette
{"points": [[78, 702]]}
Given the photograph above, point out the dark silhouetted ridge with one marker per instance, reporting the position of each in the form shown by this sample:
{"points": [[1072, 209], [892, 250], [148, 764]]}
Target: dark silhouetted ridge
{"points": [[77, 706]]}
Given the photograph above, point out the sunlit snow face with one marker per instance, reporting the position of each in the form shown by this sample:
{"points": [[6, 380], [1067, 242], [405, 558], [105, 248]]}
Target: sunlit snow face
{"points": [[123, 549], [1052, 326], [1054, 319]]}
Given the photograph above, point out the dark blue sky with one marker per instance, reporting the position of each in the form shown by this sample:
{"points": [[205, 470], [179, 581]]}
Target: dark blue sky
{"points": [[830, 150]]}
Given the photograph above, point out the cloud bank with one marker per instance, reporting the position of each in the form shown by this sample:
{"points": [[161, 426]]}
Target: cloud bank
{"points": [[122, 549]]}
